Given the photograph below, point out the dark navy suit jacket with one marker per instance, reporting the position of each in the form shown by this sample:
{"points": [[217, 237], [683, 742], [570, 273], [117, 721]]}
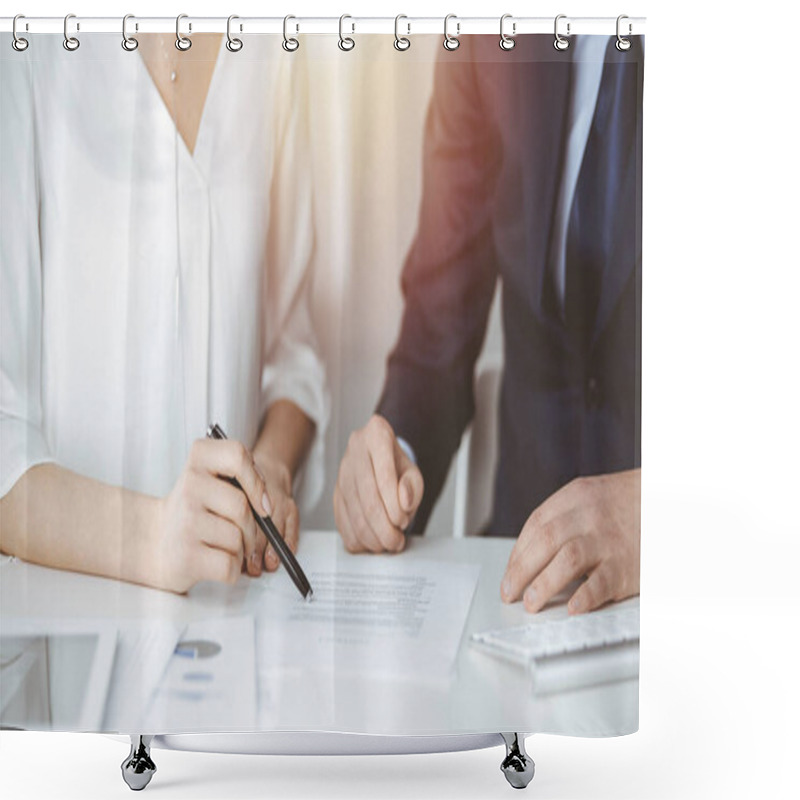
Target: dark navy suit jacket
{"points": [[493, 155]]}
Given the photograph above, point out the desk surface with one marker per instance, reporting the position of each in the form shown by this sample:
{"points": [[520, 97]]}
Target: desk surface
{"points": [[482, 694]]}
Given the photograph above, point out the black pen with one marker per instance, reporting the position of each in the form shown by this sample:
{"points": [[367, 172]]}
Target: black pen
{"points": [[270, 531]]}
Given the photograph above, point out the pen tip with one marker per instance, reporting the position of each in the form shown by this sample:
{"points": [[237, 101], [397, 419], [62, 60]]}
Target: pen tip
{"points": [[309, 596]]}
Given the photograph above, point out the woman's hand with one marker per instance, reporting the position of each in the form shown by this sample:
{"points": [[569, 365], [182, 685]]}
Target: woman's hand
{"points": [[204, 528], [280, 506]]}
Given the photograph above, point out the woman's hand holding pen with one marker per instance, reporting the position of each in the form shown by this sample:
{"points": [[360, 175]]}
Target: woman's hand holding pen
{"points": [[280, 506], [205, 528]]}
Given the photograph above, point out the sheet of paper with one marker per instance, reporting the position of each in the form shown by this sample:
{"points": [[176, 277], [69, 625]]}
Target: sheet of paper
{"points": [[210, 681], [377, 615], [144, 648]]}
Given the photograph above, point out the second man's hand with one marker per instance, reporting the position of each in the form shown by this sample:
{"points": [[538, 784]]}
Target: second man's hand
{"points": [[589, 527], [377, 492]]}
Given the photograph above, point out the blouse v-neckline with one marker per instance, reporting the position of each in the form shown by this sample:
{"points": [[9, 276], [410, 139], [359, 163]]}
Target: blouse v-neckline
{"points": [[199, 139]]}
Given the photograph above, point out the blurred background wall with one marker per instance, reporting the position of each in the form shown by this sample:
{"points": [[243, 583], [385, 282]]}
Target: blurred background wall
{"points": [[367, 115]]}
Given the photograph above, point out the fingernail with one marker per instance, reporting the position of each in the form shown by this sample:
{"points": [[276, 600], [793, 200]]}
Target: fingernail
{"points": [[272, 557], [400, 544], [574, 607], [506, 589], [530, 596], [265, 504]]}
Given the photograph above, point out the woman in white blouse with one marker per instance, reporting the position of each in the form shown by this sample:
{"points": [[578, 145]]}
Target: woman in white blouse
{"points": [[155, 243]]}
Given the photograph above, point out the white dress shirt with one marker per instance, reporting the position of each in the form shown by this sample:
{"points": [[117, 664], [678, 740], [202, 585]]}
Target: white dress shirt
{"points": [[146, 291], [586, 76]]}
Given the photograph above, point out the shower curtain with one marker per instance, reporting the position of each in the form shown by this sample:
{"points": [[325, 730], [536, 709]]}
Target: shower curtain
{"points": [[404, 281]]}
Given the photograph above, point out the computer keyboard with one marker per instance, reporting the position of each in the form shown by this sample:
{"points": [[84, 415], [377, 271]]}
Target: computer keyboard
{"points": [[549, 637]]}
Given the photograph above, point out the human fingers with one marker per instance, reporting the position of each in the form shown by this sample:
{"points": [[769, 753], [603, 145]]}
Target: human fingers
{"points": [[573, 560], [345, 525], [221, 533], [536, 545], [230, 458], [411, 486], [355, 469], [388, 536], [230, 503], [360, 528], [575, 494], [213, 564], [598, 589], [286, 519], [381, 446]]}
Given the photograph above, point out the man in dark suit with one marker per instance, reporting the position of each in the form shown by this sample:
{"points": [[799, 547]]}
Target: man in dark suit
{"points": [[521, 184]]}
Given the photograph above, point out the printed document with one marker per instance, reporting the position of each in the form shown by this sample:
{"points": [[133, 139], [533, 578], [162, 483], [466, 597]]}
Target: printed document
{"points": [[380, 615]]}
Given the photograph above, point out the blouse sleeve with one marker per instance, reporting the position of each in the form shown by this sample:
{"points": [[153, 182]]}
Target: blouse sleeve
{"points": [[292, 368], [22, 442]]}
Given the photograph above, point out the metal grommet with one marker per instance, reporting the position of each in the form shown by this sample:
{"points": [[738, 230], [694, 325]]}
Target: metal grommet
{"points": [[18, 43], [128, 42], [623, 44], [560, 42], [70, 42], [506, 42], [233, 44], [290, 44], [345, 42], [451, 42], [182, 42], [401, 43]]}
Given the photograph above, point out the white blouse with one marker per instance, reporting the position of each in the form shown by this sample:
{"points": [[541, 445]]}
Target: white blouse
{"points": [[146, 291]]}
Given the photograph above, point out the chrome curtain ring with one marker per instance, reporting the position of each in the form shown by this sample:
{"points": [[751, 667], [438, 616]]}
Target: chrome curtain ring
{"points": [[182, 42], [233, 44], [506, 41], [345, 42], [451, 42], [70, 42], [290, 44], [128, 42], [560, 42], [17, 42], [401, 42], [623, 44]]}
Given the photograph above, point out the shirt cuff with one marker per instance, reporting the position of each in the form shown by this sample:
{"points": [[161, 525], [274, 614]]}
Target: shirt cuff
{"points": [[407, 449]]}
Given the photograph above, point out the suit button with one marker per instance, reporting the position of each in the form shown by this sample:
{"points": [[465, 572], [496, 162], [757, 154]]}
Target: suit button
{"points": [[593, 392]]}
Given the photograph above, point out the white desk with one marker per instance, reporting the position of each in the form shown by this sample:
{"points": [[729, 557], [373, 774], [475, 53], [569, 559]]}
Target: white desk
{"points": [[482, 694]]}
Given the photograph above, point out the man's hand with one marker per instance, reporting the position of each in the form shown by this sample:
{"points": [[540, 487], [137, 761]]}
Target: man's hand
{"points": [[589, 527], [378, 490]]}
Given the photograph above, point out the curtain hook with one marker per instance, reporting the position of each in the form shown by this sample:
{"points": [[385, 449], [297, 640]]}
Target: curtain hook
{"points": [[70, 42], [233, 44], [623, 44], [182, 42], [560, 42], [129, 43], [451, 42], [18, 43], [506, 41], [345, 42], [290, 44], [401, 42]]}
